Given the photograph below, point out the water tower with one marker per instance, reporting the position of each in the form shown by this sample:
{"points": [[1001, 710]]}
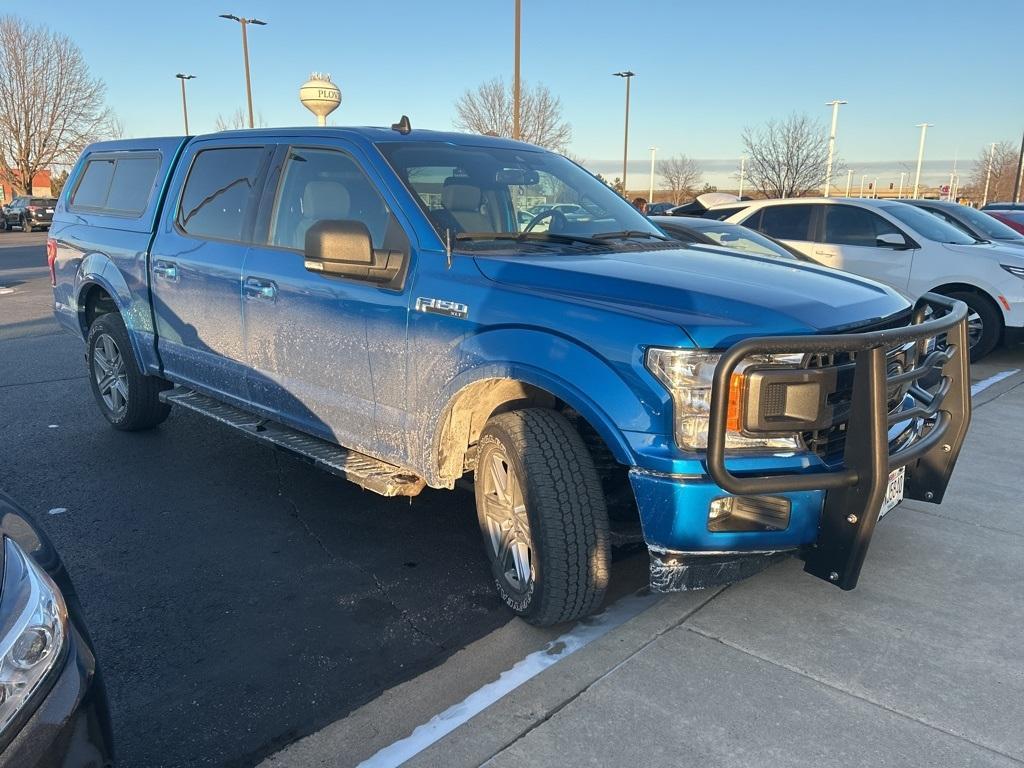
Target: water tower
{"points": [[320, 96]]}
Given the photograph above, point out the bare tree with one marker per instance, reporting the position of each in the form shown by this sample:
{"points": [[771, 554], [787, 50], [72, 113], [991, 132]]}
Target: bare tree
{"points": [[681, 175], [488, 109], [236, 120], [50, 105], [1004, 169], [787, 158]]}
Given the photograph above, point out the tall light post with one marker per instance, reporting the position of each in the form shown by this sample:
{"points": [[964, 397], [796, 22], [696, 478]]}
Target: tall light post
{"points": [[849, 180], [988, 173], [627, 76], [1020, 173], [920, 156], [184, 104], [516, 93], [862, 180], [245, 54], [832, 143], [743, 168], [874, 186], [903, 175], [650, 196]]}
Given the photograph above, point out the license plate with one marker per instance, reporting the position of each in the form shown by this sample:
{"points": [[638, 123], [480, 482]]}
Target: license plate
{"points": [[893, 491], [49, 210]]}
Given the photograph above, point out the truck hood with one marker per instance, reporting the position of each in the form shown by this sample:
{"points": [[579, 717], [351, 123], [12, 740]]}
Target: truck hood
{"points": [[717, 296]]}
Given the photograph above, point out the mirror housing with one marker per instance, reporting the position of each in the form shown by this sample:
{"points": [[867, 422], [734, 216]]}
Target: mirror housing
{"points": [[892, 240], [519, 177], [343, 247]]}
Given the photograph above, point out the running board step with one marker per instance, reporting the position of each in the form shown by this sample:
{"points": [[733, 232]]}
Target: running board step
{"points": [[365, 471]]}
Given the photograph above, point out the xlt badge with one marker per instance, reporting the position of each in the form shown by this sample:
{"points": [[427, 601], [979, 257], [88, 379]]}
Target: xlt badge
{"points": [[442, 307]]}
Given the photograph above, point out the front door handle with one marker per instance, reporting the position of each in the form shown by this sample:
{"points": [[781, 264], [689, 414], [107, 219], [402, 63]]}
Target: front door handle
{"points": [[823, 252], [168, 270], [258, 288]]}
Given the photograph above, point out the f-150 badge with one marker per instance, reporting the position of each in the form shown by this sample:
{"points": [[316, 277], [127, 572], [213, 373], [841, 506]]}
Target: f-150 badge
{"points": [[442, 307]]}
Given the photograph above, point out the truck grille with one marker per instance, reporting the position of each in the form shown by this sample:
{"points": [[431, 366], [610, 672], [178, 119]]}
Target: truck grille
{"points": [[829, 443]]}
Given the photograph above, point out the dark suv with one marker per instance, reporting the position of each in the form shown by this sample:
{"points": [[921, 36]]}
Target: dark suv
{"points": [[29, 213]]}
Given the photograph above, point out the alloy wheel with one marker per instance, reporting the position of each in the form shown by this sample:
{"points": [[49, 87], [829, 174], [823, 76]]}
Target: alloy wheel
{"points": [[507, 523], [108, 369]]}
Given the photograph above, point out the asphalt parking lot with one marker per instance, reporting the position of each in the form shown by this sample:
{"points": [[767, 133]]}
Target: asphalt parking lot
{"points": [[241, 600], [238, 598]]}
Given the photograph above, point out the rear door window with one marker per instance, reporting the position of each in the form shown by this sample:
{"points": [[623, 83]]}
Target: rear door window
{"points": [[218, 199], [786, 222]]}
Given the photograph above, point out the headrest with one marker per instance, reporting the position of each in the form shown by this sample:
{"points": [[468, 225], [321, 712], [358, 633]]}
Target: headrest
{"points": [[457, 195], [325, 200]]}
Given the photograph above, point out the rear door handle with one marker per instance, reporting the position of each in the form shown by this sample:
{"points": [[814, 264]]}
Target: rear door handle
{"points": [[168, 270], [258, 288]]}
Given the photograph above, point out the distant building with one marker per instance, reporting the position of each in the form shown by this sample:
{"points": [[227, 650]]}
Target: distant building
{"points": [[40, 187]]}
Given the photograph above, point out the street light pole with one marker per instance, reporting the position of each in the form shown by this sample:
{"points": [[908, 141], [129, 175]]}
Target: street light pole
{"points": [[184, 104], [988, 174], [516, 92], [874, 186], [862, 180], [920, 157], [627, 76], [903, 175], [743, 167], [650, 197], [1020, 171], [832, 143], [849, 180], [245, 54]]}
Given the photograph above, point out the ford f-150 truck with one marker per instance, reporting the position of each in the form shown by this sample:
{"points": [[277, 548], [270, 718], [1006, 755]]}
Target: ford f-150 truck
{"points": [[375, 300]]}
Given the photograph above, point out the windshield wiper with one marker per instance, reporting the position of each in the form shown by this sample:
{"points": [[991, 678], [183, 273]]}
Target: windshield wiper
{"points": [[628, 233], [530, 237]]}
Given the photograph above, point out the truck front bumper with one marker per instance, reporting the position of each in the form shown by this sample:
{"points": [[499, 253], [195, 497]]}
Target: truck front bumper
{"points": [[832, 507]]}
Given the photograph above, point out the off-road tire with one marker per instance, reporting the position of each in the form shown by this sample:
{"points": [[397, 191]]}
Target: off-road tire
{"points": [[143, 409], [570, 557], [991, 322]]}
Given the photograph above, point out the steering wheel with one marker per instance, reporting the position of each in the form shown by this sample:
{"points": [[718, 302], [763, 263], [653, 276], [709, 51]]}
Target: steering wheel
{"points": [[558, 220]]}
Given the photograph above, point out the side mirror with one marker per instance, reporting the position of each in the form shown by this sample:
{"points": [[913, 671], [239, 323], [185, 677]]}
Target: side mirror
{"points": [[892, 240], [344, 247]]}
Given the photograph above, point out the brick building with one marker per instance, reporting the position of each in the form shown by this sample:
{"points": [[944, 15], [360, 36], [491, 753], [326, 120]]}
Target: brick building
{"points": [[40, 187]]}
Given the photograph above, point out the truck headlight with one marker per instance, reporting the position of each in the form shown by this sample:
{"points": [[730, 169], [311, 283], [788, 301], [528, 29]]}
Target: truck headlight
{"points": [[687, 373], [33, 628]]}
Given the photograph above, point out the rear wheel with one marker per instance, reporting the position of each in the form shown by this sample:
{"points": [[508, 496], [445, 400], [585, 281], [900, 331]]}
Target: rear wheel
{"points": [[984, 323], [542, 515], [129, 400]]}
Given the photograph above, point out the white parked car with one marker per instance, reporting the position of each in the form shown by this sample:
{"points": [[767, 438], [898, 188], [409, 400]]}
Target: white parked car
{"points": [[905, 247]]}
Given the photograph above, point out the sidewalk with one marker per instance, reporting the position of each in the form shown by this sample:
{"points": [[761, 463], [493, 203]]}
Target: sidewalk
{"points": [[921, 665]]}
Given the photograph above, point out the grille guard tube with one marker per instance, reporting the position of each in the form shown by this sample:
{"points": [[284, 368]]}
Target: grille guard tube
{"points": [[856, 491]]}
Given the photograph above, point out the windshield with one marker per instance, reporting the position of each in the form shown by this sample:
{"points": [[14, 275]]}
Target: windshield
{"points": [[989, 227], [928, 225], [740, 238], [480, 194]]}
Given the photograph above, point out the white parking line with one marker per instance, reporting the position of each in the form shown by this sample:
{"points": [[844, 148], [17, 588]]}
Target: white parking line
{"points": [[984, 384], [581, 635]]}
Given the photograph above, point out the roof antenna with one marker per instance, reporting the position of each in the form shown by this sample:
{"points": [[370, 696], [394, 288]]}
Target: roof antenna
{"points": [[448, 245], [403, 126]]}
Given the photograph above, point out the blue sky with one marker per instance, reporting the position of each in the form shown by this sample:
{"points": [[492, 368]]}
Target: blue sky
{"points": [[704, 69]]}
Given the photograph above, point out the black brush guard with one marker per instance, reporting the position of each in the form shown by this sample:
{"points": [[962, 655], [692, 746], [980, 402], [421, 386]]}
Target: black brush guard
{"points": [[854, 493]]}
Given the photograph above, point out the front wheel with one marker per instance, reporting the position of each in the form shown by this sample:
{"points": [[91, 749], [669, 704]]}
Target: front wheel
{"points": [[25, 225], [543, 516], [984, 323], [129, 400]]}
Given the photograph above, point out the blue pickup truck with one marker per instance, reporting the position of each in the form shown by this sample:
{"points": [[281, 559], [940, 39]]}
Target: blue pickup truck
{"points": [[384, 303]]}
